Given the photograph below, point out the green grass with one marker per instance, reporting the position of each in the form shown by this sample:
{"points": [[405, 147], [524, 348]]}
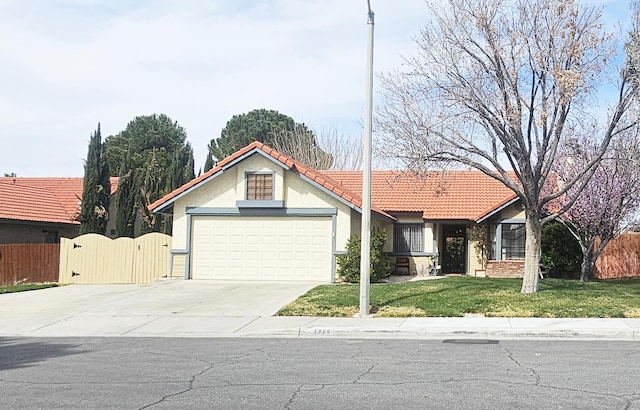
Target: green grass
{"points": [[22, 288], [457, 296]]}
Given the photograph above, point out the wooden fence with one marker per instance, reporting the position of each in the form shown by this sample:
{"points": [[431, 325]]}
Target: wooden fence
{"points": [[620, 258], [95, 258], [29, 263]]}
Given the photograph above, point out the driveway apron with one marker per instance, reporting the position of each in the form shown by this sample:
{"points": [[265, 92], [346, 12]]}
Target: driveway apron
{"points": [[163, 307]]}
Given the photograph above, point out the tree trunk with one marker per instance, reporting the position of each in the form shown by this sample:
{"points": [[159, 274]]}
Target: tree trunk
{"points": [[533, 230], [588, 263]]}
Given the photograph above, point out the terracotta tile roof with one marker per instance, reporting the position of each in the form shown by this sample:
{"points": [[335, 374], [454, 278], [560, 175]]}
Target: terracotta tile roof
{"points": [[26, 203], [462, 195], [42, 199], [318, 177], [465, 195]]}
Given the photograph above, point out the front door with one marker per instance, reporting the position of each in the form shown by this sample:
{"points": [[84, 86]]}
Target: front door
{"points": [[454, 249]]}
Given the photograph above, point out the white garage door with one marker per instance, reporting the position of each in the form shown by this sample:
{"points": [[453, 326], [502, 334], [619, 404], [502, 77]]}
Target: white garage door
{"points": [[261, 248]]}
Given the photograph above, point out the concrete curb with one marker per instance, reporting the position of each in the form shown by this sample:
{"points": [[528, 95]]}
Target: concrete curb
{"points": [[562, 334]]}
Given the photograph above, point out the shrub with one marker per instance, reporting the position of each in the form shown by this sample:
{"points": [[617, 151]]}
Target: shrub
{"points": [[349, 263], [561, 253]]}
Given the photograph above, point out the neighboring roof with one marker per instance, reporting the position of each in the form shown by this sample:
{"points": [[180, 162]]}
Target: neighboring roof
{"points": [[316, 177], [462, 195], [53, 200], [467, 195]]}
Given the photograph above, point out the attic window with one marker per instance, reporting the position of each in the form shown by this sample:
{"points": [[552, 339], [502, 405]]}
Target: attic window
{"points": [[259, 187]]}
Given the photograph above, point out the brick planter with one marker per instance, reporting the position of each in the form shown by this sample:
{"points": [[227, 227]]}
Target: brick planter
{"points": [[505, 269]]}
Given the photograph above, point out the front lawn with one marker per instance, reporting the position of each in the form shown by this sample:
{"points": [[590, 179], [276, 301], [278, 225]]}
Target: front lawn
{"points": [[457, 296], [22, 288]]}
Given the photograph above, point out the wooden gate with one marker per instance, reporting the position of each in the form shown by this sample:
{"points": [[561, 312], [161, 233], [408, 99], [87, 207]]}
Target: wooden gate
{"points": [[95, 258], [23, 263]]}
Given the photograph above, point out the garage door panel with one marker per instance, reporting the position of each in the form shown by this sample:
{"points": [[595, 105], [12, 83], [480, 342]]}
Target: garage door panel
{"points": [[269, 248], [269, 256], [218, 240], [236, 255], [285, 256], [270, 240], [219, 224]]}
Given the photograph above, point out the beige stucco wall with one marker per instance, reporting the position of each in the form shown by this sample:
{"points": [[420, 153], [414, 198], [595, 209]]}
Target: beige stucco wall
{"points": [[514, 211], [228, 187], [474, 261], [428, 237], [178, 266], [376, 222], [387, 227], [299, 193], [219, 192]]}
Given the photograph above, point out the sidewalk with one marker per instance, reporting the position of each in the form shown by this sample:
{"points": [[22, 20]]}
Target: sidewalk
{"points": [[178, 325], [192, 309]]}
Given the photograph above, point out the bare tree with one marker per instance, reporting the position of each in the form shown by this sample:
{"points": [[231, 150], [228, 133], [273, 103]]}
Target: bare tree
{"points": [[496, 85], [326, 149]]}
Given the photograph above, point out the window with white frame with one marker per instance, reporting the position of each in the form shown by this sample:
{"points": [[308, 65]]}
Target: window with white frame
{"points": [[259, 187], [408, 238]]}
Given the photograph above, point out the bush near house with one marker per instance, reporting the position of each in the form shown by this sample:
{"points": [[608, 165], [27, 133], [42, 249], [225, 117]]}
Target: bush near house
{"points": [[561, 253], [349, 263]]}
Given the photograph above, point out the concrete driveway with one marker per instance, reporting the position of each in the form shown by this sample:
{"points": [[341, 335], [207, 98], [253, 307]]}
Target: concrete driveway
{"points": [[165, 306]]}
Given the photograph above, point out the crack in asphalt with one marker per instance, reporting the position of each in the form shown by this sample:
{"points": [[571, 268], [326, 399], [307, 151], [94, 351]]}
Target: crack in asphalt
{"points": [[357, 355], [188, 389], [293, 397], [533, 371], [538, 383], [210, 365], [301, 388], [628, 401], [366, 372]]}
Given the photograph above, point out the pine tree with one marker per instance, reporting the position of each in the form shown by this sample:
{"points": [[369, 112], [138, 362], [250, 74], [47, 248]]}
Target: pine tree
{"points": [[96, 190], [161, 159]]}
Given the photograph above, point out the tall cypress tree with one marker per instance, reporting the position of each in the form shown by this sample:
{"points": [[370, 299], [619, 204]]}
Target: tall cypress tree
{"points": [[126, 200], [209, 163], [96, 189]]}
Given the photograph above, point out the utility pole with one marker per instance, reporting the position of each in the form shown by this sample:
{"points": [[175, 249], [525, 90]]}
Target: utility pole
{"points": [[365, 250]]}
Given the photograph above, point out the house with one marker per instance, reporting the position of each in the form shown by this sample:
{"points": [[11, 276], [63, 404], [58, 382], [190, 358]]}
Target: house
{"points": [[260, 215], [40, 210]]}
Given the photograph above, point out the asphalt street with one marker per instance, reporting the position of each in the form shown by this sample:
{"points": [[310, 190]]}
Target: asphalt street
{"points": [[232, 373]]}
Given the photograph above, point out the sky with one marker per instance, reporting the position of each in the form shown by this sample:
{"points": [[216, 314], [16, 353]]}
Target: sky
{"points": [[67, 65]]}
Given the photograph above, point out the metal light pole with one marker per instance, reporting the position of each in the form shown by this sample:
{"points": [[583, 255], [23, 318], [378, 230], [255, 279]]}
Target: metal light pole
{"points": [[365, 250]]}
